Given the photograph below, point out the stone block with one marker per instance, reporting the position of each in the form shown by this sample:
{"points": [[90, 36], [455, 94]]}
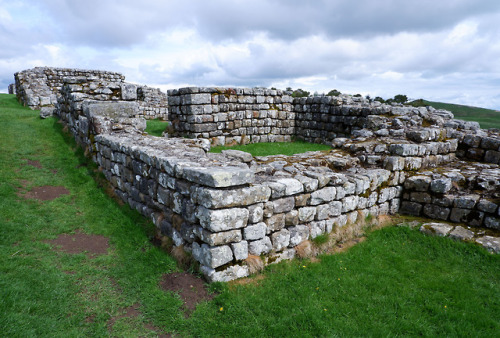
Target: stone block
{"points": [[349, 203], [466, 202], [275, 222], [306, 214], [218, 238], [324, 195], [218, 177], [255, 231], [420, 197], [256, 213], [212, 257], [492, 222], [231, 273], [240, 250], [260, 247], [410, 208], [439, 229], [394, 163], [298, 234], [283, 204], [436, 212], [441, 185], [218, 198], [317, 228], [462, 234], [417, 183], [292, 186], [129, 91], [487, 206], [310, 184], [280, 239], [292, 218], [222, 219], [491, 243], [492, 156]]}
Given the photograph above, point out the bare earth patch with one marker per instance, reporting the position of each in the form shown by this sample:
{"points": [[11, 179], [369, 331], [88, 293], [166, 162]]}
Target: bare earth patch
{"points": [[79, 242], [190, 288], [46, 193], [133, 311], [34, 163]]}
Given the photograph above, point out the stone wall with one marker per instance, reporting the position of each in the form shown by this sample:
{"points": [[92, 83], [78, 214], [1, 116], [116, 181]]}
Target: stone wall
{"points": [[229, 116], [483, 147], [12, 88]]}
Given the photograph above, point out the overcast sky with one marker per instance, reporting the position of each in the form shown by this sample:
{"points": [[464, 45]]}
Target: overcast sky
{"points": [[442, 50]]}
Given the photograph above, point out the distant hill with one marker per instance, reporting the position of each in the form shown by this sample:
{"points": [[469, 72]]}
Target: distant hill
{"points": [[487, 118]]}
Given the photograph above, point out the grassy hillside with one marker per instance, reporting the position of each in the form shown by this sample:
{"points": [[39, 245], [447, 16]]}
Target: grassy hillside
{"points": [[398, 282], [487, 118]]}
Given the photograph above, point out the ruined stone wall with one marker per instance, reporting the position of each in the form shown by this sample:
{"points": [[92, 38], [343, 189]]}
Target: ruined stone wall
{"points": [[230, 116], [39, 87], [483, 147], [153, 103], [12, 88]]}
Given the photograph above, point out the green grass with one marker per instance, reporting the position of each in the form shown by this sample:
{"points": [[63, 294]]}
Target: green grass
{"points": [[275, 148], [397, 282], [156, 127], [487, 118]]}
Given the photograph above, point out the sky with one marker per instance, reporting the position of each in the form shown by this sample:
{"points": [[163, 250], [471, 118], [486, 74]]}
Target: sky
{"points": [[440, 50]]}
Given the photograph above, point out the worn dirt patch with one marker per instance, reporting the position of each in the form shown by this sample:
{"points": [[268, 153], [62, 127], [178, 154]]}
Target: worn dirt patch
{"points": [[79, 242], [133, 311], [190, 288], [46, 193], [34, 163]]}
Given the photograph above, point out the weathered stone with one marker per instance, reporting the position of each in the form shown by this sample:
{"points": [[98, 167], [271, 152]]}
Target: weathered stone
{"points": [[216, 199], [490, 243], [212, 257], [322, 212], [461, 234], [410, 208], [487, 206], [254, 231], [280, 239], [306, 214], [222, 219], [240, 250], [317, 228], [275, 222], [466, 202], [292, 218], [298, 234], [349, 203], [436, 212], [417, 183], [218, 238], [292, 186], [439, 229], [420, 197], [492, 222], [238, 154], [301, 200], [324, 195], [284, 204], [260, 247], [129, 91], [310, 184], [231, 273], [441, 186], [219, 177], [256, 213]]}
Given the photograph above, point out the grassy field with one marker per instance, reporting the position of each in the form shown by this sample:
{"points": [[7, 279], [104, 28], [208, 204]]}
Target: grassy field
{"points": [[487, 118], [156, 127], [397, 282], [275, 148]]}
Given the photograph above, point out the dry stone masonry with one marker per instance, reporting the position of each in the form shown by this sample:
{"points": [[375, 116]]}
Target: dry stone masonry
{"points": [[231, 208]]}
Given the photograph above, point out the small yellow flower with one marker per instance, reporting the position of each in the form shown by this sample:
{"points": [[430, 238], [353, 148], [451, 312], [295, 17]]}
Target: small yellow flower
{"points": [[304, 266], [221, 309], [324, 310], [445, 306], [338, 278], [317, 288]]}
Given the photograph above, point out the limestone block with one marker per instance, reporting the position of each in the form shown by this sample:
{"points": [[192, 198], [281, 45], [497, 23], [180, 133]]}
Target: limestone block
{"points": [[129, 91], [394, 163], [254, 231], [471, 217], [275, 222], [491, 156], [317, 228], [222, 219], [212, 257], [404, 149], [240, 250], [413, 163], [218, 198], [301, 200], [231, 273], [256, 213], [349, 203], [306, 214], [466, 202], [487, 206], [410, 208], [436, 212], [490, 243], [439, 229], [324, 195], [441, 186], [310, 184], [218, 238], [492, 222], [298, 234], [462, 234], [238, 154], [280, 239], [490, 143], [417, 183], [259, 247], [420, 197], [283, 204], [292, 218], [218, 177], [322, 212], [292, 186]]}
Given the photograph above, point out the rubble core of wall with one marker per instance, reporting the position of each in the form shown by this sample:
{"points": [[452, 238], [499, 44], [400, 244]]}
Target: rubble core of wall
{"points": [[229, 116]]}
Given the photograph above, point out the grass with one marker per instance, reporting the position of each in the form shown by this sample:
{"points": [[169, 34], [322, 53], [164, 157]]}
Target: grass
{"points": [[275, 148], [156, 127], [487, 118], [397, 282]]}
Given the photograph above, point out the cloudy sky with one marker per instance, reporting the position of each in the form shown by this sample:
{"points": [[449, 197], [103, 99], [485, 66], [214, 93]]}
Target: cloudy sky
{"points": [[443, 50]]}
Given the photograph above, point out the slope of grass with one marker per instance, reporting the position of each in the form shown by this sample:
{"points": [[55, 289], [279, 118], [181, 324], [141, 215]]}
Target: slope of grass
{"points": [[487, 118], [275, 148], [397, 282]]}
